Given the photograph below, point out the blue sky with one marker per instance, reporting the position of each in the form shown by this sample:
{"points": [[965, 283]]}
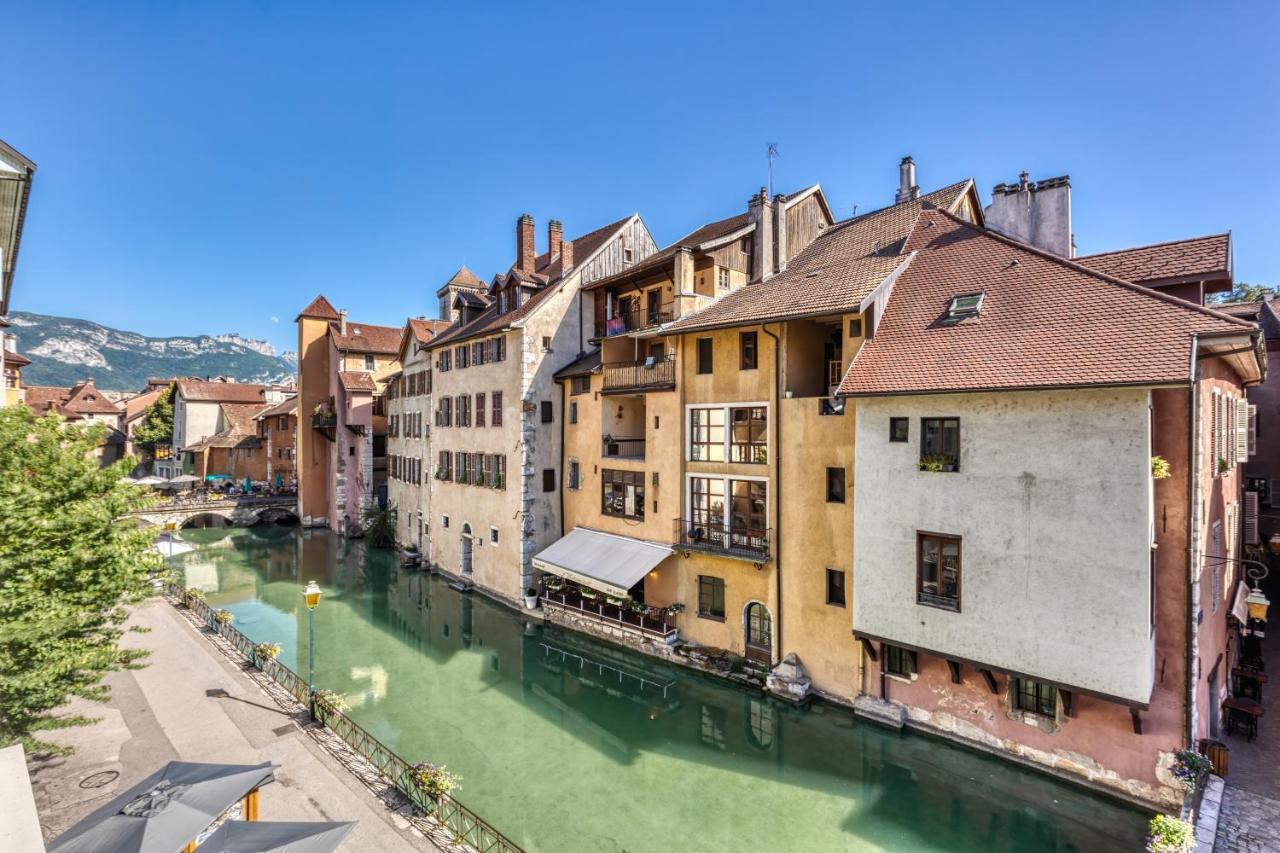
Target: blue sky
{"points": [[210, 167]]}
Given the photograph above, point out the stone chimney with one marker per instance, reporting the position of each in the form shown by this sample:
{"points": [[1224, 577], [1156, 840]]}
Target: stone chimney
{"points": [[566, 256], [907, 189], [342, 321], [525, 253], [760, 212], [780, 250], [555, 236], [1037, 213]]}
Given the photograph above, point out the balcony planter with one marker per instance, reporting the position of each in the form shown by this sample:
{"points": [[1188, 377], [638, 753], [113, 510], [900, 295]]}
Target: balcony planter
{"points": [[531, 598], [435, 782], [1159, 468], [937, 463]]}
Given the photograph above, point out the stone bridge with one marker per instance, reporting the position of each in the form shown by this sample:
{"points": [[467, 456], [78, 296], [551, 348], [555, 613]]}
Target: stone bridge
{"points": [[241, 511]]}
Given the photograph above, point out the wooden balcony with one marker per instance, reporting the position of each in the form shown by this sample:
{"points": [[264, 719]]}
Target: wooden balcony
{"points": [[652, 374], [637, 320]]}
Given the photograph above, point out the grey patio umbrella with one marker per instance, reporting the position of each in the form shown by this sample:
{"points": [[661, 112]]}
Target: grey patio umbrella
{"points": [[238, 836], [166, 811]]}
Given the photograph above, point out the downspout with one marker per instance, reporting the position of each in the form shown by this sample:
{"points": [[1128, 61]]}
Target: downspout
{"points": [[777, 474], [1193, 548]]}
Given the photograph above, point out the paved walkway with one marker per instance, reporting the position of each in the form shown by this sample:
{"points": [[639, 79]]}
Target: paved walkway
{"points": [[191, 703]]}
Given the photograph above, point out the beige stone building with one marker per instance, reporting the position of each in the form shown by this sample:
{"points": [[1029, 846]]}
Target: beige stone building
{"points": [[409, 416]]}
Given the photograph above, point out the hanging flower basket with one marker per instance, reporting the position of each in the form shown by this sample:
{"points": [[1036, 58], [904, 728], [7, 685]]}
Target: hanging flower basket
{"points": [[435, 782], [265, 651], [613, 600], [553, 583], [674, 609], [330, 702]]}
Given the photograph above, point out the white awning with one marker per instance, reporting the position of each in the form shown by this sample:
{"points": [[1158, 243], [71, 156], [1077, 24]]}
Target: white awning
{"points": [[603, 561]]}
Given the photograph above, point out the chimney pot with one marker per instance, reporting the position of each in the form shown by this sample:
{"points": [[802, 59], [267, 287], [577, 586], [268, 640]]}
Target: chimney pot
{"points": [[342, 321], [907, 189], [525, 254], [555, 237]]}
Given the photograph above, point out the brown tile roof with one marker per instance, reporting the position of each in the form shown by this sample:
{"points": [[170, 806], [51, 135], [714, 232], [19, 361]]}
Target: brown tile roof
{"points": [[462, 278], [692, 240], [321, 308], [833, 274], [582, 366], [1199, 258], [16, 358], [1243, 310], [357, 380], [240, 429], [240, 416], [361, 337], [491, 321], [84, 398], [424, 330], [1044, 322], [41, 398], [208, 391], [287, 407], [136, 405]]}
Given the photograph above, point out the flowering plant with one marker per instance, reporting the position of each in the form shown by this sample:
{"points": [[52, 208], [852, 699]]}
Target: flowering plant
{"points": [[223, 617], [435, 782], [330, 701], [1170, 835], [1188, 767], [266, 651]]}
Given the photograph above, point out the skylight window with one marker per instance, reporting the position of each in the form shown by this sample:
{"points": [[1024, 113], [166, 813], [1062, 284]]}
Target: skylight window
{"points": [[964, 305]]}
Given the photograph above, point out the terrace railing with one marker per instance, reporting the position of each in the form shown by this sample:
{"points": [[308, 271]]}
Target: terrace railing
{"points": [[714, 537], [650, 373], [465, 825], [600, 610], [639, 318], [623, 448]]}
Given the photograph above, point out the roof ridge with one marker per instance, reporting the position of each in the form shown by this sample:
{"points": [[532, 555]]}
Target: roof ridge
{"points": [[888, 207], [1161, 244], [1070, 263]]}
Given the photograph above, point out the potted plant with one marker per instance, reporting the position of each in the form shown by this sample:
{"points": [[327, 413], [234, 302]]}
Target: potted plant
{"points": [[937, 463], [194, 594], [553, 583], [674, 609], [265, 652], [1170, 835], [613, 600], [1223, 465], [1159, 468], [223, 617], [330, 702], [1189, 767], [587, 593], [435, 782], [531, 598]]}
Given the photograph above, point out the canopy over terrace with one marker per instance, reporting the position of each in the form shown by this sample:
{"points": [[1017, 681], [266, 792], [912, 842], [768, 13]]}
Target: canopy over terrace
{"points": [[166, 811], [603, 561], [238, 836]]}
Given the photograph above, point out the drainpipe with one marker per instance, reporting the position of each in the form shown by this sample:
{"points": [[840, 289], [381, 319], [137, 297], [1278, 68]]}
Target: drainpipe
{"points": [[1193, 548], [777, 478]]}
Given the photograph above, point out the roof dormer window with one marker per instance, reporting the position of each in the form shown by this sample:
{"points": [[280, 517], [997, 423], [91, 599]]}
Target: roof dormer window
{"points": [[964, 305]]}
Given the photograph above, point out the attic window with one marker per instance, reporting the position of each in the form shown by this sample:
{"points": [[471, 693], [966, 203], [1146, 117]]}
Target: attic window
{"points": [[964, 305]]}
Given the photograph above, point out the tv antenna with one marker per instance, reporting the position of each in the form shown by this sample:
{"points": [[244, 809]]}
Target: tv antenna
{"points": [[772, 153]]}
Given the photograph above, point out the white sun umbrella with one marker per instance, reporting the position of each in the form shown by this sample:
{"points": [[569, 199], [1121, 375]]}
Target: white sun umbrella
{"points": [[151, 480], [130, 480], [184, 480]]}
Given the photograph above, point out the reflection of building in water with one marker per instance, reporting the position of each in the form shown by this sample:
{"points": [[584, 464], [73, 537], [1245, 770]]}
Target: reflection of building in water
{"points": [[376, 678]]}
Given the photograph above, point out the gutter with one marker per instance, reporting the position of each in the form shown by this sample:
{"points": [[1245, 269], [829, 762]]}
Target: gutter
{"points": [[1193, 548], [777, 472]]}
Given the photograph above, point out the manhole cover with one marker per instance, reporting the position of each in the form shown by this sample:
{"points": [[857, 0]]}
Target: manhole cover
{"points": [[216, 693], [100, 780], [284, 730]]}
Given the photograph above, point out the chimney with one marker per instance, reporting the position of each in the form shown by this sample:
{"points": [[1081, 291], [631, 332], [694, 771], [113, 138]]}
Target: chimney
{"points": [[1037, 213], [555, 236], [907, 189], [525, 253], [342, 321], [760, 213], [566, 256]]}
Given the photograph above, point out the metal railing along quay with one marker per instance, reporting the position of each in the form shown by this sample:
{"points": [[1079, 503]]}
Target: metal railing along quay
{"points": [[467, 826]]}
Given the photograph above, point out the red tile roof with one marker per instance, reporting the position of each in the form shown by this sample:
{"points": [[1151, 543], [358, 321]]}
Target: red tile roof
{"points": [[424, 330], [692, 240], [361, 337], [1199, 258], [41, 398], [84, 398], [1044, 322], [321, 308], [138, 403], [287, 407], [358, 381], [16, 358], [208, 391]]}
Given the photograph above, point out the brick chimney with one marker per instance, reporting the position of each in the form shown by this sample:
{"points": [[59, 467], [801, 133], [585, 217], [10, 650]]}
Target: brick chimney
{"points": [[566, 256], [907, 189], [525, 253], [555, 236]]}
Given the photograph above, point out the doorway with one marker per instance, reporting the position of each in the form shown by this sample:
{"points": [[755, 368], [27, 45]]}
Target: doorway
{"points": [[759, 633], [466, 550]]}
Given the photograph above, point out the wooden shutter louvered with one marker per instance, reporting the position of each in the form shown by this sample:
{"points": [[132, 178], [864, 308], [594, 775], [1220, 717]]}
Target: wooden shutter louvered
{"points": [[1242, 431], [1252, 430], [1251, 518], [1213, 443]]}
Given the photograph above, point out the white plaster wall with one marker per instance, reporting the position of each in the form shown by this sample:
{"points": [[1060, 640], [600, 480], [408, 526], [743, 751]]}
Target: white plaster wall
{"points": [[1054, 505], [194, 422], [410, 499]]}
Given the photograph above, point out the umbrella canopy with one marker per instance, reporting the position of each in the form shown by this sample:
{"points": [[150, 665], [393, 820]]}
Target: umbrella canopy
{"points": [[236, 836], [166, 811], [248, 485], [152, 480], [130, 480], [185, 478]]}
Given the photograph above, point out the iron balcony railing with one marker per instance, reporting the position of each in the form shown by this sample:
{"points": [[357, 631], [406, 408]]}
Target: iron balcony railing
{"points": [[623, 448], [638, 318], [715, 537], [650, 373], [466, 826], [600, 610]]}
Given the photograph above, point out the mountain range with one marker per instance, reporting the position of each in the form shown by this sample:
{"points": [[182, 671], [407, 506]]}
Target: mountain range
{"points": [[64, 350]]}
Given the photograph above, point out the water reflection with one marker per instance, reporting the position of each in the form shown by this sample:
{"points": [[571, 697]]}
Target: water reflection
{"points": [[569, 744]]}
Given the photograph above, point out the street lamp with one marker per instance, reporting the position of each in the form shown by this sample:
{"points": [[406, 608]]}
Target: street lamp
{"points": [[311, 595]]}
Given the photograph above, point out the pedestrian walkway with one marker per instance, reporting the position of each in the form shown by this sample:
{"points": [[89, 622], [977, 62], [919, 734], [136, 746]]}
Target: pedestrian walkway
{"points": [[192, 703]]}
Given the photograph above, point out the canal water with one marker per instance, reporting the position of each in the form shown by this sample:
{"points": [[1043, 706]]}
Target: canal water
{"points": [[568, 744]]}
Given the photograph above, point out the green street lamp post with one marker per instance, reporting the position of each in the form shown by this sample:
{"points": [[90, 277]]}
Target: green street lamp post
{"points": [[311, 595]]}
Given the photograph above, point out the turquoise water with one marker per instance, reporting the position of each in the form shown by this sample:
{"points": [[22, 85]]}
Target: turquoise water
{"points": [[568, 744]]}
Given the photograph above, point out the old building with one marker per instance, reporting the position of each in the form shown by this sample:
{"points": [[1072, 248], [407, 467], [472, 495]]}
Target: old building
{"points": [[235, 451], [278, 431], [1020, 579], [496, 422], [341, 460], [135, 409], [83, 404], [13, 362], [16, 173], [409, 432]]}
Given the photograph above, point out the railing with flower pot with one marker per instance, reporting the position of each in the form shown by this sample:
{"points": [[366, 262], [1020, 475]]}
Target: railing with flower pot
{"points": [[430, 792], [649, 620]]}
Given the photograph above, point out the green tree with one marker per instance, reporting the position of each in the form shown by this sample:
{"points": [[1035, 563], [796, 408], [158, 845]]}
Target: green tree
{"points": [[157, 423], [1243, 292], [68, 567]]}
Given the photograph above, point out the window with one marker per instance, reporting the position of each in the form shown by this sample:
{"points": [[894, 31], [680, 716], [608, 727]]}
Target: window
{"points": [[496, 420], [710, 597], [546, 343], [573, 411], [547, 413], [575, 475], [706, 435], [722, 278], [444, 466], [480, 409], [747, 503], [477, 352], [548, 479], [369, 363], [704, 355], [835, 485], [749, 439], [493, 535], [965, 305], [1034, 696], [940, 444], [747, 354], [282, 423], [899, 429], [835, 587], [622, 493], [706, 501], [444, 521], [463, 404], [627, 255], [855, 327], [460, 356], [446, 359], [898, 661], [938, 571], [580, 385]]}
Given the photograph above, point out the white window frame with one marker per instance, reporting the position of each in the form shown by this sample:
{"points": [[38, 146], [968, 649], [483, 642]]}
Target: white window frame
{"points": [[728, 430], [728, 494]]}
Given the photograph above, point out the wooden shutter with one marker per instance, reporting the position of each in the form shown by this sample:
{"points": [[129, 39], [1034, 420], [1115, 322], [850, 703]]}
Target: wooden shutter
{"points": [[1251, 518], [1251, 430], [1242, 431], [1213, 444]]}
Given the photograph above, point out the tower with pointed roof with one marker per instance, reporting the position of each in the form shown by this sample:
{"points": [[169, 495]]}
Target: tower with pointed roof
{"points": [[464, 283]]}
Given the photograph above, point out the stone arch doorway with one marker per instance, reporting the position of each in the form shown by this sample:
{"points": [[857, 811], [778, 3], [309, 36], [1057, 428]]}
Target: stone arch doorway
{"points": [[757, 628], [466, 550]]}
